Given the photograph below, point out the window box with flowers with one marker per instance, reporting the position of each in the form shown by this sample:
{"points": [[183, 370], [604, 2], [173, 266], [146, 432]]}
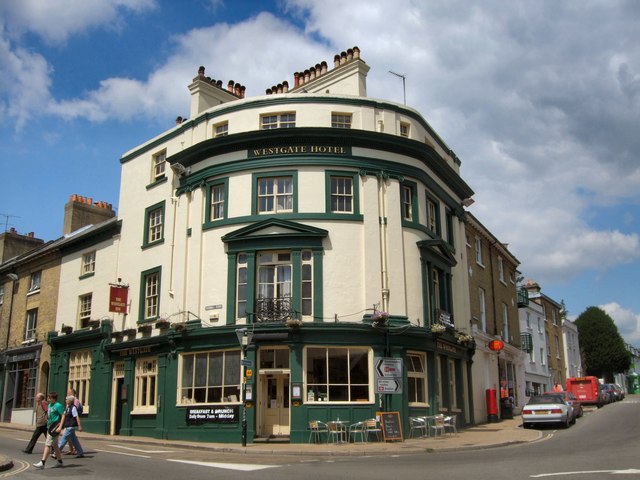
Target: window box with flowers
{"points": [[463, 338], [437, 328], [379, 317]]}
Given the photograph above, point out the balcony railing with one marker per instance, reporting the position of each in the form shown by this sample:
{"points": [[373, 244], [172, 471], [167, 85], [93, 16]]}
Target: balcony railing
{"points": [[273, 310], [523, 297]]}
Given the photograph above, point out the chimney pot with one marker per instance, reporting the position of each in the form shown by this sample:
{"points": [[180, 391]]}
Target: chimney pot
{"points": [[306, 76], [343, 58], [349, 55], [285, 86], [242, 90], [323, 68], [201, 71], [356, 52], [296, 80], [336, 61]]}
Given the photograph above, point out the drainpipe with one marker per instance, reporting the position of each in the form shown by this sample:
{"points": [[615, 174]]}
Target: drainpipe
{"points": [[382, 214]]}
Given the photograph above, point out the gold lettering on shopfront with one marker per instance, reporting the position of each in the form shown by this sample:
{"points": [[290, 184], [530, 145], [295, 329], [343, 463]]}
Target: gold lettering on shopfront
{"points": [[298, 149]]}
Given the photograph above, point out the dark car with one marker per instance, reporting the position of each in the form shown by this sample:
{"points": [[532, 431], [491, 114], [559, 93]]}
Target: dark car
{"points": [[618, 393], [571, 399], [606, 392]]}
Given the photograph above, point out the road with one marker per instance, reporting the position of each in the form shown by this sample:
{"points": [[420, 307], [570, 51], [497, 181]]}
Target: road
{"points": [[604, 444]]}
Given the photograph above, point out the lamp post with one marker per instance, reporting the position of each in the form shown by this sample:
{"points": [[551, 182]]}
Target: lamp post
{"points": [[244, 338]]}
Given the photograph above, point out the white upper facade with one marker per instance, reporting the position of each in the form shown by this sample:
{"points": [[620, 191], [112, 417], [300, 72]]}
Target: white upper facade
{"points": [[338, 202]]}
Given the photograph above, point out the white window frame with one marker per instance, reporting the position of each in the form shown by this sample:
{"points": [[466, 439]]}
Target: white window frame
{"points": [[35, 281], [306, 287], [159, 164], [342, 194], [88, 263], [501, 270], [155, 225], [478, 249], [432, 215], [505, 323], [145, 398], [407, 203], [277, 191], [417, 376], [31, 324], [341, 120], [278, 120], [405, 128], [328, 385], [151, 295], [453, 386], [84, 309], [80, 376], [242, 273], [1, 294], [221, 130], [230, 392], [217, 201], [482, 300]]}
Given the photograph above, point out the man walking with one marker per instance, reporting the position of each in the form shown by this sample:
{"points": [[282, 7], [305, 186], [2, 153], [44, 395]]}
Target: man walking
{"points": [[40, 409], [55, 411]]}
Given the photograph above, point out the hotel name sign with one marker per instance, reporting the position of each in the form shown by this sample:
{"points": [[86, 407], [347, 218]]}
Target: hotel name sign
{"points": [[299, 150]]}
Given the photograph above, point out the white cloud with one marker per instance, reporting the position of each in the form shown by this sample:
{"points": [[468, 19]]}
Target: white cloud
{"points": [[24, 82], [543, 114], [56, 20], [627, 321]]}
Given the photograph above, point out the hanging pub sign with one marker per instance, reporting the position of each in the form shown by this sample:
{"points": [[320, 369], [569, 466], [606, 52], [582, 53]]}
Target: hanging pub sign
{"points": [[118, 299], [496, 345]]}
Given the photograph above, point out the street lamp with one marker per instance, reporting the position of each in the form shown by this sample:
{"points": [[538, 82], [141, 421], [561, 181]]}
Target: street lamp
{"points": [[244, 339]]}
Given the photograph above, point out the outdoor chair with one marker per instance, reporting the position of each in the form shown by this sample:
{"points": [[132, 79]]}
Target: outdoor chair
{"points": [[419, 425], [438, 425], [356, 429], [372, 426], [316, 430], [450, 424]]}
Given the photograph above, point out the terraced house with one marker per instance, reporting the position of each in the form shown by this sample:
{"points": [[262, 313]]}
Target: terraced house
{"points": [[302, 250]]}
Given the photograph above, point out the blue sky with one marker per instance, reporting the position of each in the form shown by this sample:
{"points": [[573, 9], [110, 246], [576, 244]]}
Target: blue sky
{"points": [[540, 101]]}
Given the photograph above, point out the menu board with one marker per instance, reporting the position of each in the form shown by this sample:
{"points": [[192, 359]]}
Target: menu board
{"points": [[391, 426]]}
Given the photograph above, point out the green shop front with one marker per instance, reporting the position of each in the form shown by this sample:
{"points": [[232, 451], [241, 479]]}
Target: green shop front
{"points": [[187, 383]]}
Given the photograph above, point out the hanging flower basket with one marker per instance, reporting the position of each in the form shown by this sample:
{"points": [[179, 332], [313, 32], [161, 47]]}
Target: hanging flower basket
{"points": [[379, 317]]}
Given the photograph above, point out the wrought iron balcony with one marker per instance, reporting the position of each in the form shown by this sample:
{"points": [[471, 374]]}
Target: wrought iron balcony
{"points": [[523, 297], [273, 310]]}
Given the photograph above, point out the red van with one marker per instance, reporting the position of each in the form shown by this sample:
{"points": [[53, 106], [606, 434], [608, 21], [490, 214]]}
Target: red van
{"points": [[585, 389]]}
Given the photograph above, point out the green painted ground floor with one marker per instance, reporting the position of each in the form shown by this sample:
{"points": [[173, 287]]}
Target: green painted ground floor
{"points": [[189, 382]]}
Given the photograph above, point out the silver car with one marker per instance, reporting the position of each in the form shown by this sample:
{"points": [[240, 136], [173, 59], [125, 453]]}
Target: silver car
{"points": [[545, 409]]}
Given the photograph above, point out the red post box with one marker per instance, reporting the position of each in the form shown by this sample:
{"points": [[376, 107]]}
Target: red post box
{"points": [[492, 405]]}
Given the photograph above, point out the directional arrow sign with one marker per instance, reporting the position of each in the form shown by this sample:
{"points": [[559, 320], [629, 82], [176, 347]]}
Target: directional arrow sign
{"points": [[389, 367], [388, 373], [389, 386]]}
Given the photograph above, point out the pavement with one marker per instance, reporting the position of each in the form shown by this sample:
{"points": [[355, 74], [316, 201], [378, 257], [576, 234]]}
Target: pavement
{"points": [[488, 435]]}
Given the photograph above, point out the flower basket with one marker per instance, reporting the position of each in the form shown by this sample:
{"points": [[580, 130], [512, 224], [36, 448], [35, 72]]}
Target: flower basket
{"points": [[438, 328], [293, 323], [463, 338], [379, 317]]}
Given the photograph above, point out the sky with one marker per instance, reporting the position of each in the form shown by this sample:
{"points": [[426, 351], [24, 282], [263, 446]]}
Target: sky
{"points": [[539, 100]]}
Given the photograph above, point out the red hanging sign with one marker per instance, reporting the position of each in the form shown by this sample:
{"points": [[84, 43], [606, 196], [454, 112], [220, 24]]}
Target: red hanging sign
{"points": [[118, 299], [496, 345]]}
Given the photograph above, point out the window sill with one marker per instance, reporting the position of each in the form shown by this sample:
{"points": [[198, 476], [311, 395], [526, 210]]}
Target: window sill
{"points": [[154, 244], [33, 292], [157, 182], [86, 275], [144, 411]]}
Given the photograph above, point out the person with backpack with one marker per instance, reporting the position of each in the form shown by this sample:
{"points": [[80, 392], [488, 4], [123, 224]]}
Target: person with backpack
{"points": [[55, 411], [79, 408], [40, 409], [70, 421]]}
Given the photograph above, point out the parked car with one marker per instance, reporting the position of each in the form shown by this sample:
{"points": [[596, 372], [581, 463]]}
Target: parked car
{"points": [[546, 409], [618, 393], [571, 399], [606, 391]]}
